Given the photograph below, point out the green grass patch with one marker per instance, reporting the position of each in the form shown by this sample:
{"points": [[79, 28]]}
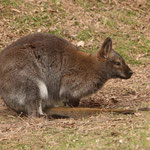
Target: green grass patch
{"points": [[12, 3], [85, 35]]}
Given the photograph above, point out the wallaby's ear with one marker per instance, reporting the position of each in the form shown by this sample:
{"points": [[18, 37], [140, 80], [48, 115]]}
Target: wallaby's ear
{"points": [[106, 48]]}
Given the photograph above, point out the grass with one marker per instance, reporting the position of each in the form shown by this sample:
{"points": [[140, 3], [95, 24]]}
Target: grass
{"points": [[123, 132], [123, 25], [79, 20], [84, 35]]}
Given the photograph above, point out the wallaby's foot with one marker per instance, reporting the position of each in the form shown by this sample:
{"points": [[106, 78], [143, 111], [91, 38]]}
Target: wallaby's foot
{"points": [[34, 114], [33, 110], [44, 115], [37, 114]]}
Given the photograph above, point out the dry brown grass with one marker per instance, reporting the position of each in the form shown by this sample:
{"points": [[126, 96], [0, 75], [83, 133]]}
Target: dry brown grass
{"points": [[128, 23]]}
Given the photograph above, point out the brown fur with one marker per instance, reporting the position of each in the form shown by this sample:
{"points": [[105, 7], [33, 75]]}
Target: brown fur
{"points": [[40, 69]]}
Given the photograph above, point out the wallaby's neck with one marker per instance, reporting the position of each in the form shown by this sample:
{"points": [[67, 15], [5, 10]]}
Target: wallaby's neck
{"points": [[92, 65], [99, 67], [93, 69]]}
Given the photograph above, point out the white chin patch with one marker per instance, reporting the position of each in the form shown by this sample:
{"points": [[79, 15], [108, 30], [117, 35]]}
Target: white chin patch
{"points": [[43, 89]]}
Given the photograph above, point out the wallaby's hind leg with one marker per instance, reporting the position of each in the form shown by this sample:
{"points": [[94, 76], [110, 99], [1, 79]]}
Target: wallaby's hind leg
{"points": [[29, 107], [32, 108], [22, 95]]}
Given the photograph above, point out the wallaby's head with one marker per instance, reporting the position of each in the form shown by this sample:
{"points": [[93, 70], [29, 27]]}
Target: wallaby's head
{"points": [[114, 63]]}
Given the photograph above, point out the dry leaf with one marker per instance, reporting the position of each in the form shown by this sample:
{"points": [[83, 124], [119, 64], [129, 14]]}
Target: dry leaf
{"points": [[15, 10], [81, 43]]}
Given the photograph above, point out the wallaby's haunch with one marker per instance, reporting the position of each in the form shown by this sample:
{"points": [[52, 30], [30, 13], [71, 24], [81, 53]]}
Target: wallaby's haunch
{"points": [[40, 69]]}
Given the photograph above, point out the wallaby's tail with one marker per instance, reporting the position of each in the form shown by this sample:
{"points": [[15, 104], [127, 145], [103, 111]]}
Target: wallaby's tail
{"points": [[77, 112]]}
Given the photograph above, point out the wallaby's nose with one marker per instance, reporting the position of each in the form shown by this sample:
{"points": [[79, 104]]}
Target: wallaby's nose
{"points": [[130, 72]]}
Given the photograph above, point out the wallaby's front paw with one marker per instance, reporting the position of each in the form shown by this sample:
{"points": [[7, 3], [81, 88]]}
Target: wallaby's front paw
{"points": [[44, 115]]}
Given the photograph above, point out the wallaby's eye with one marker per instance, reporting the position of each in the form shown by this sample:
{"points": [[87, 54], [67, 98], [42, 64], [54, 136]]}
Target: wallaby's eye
{"points": [[117, 63]]}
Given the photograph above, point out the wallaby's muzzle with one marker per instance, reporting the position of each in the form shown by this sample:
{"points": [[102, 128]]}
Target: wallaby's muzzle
{"points": [[128, 73]]}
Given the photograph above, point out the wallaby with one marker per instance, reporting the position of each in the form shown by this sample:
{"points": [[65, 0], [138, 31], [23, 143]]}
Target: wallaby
{"points": [[40, 69]]}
